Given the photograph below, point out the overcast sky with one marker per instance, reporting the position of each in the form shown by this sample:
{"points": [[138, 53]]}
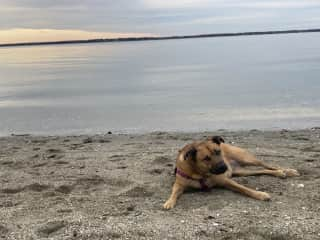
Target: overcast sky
{"points": [[160, 17]]}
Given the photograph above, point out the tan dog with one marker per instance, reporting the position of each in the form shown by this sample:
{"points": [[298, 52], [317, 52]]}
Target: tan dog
{"points": [[212, 163]]}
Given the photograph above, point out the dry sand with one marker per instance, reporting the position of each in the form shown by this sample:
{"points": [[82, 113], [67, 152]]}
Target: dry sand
{"points": [[113, 187]]}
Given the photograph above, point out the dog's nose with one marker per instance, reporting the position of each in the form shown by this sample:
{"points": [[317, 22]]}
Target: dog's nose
{"points": [[220, 168]]}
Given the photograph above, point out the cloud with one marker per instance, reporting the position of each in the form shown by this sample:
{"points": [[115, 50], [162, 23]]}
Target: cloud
{"points": [[163, 17], [176, 4], [226, 19], [47, 3], [185, 4], [89, 15], [284, 4]]}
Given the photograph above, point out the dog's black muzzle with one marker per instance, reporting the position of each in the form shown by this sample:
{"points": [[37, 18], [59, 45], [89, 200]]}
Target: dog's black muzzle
{"points": [[220, 168]]}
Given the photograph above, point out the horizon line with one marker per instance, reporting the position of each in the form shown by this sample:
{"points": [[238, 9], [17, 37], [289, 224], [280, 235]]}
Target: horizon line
{"points": [[129, 39]]}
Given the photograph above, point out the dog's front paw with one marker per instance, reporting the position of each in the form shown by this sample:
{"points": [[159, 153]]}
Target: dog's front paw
{"points": [[169, 204], [291, 172], [280, 173], [263, 196]]}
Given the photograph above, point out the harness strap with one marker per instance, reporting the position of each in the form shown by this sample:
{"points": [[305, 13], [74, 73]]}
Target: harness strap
{"points": [[202, 181]]}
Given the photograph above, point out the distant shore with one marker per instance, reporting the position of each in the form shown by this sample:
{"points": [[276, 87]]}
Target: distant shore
{"points": [[129, 39]]}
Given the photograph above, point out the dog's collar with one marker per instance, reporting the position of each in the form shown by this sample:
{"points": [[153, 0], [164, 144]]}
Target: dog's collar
{"points": [[201, 181]]}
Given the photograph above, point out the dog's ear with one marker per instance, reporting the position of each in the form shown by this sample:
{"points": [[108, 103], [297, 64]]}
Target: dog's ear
{"points": [[190, 154], [217, 139]]}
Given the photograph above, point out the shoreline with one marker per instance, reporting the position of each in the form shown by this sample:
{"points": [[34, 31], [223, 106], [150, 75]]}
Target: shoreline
{"points": [[112, 186], [139, 133]]}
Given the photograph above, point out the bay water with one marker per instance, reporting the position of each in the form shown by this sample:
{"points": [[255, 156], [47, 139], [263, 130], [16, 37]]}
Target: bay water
{"points": [[249, 82]]}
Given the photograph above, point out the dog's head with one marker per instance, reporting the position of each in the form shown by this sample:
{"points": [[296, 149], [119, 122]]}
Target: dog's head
{"points": [[206, 157]]}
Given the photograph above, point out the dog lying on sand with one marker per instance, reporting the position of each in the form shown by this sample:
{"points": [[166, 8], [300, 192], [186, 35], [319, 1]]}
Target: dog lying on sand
{"points": [[212, 163]]}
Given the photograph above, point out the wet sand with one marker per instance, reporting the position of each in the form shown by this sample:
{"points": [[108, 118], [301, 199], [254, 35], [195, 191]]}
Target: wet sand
{"points": [[113, 187]]}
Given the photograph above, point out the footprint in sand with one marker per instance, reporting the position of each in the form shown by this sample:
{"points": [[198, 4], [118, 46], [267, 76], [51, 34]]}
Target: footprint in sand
{"points": [[311, 149], [54, 150], [156, 171], [60, 162], [89, 182], [156, 143], [119, 183], [102, 140], [117, 157], [87, 140], [94, 140], [65, 189], [7, 162], [3, 231], [55, 156], [76, 146], [39, 164], [310, 160], [301, 138], [39, 141], [51, 227], [35, 187], [53, 153], [8, 204], [163, 160], [122, 167], [65, 210], [92, 182], [137, 192], [12, 190], [123, 210], [35, 156]]}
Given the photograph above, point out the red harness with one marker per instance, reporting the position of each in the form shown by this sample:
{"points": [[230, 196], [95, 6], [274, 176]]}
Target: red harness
{"points": [[202, 181]]}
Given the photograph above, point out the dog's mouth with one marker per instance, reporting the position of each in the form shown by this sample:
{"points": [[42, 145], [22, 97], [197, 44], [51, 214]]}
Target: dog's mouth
{"points": [[220, 168]]}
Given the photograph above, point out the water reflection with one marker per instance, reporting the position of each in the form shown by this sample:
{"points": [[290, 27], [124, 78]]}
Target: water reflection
{"points": [[166, 85]]}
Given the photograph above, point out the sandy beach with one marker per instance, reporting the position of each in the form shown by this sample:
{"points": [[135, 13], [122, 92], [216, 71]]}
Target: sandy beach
{"points": [[113, 187]]}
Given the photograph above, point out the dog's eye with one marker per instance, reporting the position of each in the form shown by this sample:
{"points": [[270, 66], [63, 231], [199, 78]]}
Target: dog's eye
{"points": [[217, 152], [207, 159]]}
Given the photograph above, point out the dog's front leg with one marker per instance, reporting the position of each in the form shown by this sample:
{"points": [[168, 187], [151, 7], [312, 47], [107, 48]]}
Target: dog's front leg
{"points": [[228, 183], [177, 190]]}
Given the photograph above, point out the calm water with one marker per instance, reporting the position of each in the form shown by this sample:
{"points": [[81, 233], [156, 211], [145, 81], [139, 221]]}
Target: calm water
{"points": [[266, 82]]}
